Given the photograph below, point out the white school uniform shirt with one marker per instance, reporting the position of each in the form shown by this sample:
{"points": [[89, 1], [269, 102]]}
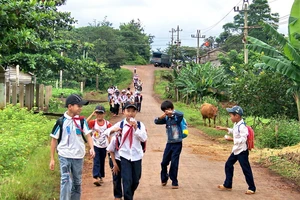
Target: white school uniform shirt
{"points": [[117, 99], [240, 133], [71, 144], [123, 98], [134, 153], [112, 147]]}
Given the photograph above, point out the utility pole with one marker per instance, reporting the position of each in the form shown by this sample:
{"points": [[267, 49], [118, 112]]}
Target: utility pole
{"points": [[245, 10], [198, 36], [172, 41], [177, 42]]}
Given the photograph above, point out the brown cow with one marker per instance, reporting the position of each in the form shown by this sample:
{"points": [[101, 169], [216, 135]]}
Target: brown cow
{"points": [[209, 111]]}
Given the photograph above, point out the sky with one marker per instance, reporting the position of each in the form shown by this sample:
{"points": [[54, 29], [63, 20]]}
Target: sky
{"points": [[159, 17]]}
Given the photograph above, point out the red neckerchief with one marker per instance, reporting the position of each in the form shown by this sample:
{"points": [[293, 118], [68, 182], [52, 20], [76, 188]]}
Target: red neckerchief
{"points": [[78, 118], [129, 133]]}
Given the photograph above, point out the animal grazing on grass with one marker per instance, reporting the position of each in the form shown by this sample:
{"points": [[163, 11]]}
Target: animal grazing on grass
{"points": [[209, 111]]}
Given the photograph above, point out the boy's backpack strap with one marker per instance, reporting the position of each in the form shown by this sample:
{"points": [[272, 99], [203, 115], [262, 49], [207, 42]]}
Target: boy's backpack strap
{"points": [[82, 126], [60, 122]]}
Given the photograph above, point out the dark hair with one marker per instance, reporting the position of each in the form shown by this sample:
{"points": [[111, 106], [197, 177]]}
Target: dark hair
{"points": [[166, 105]]}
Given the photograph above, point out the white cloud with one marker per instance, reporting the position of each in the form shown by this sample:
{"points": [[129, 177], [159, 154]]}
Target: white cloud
{"points": [[160, 16]]}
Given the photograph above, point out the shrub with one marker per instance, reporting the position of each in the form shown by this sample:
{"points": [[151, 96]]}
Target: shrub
{"points": [[278, 133]]}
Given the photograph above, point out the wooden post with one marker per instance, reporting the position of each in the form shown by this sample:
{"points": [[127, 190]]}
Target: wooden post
{"points": [[97, 82], [2, 90], [60, 79], [31, 95], [8, 92], [27, 97], [14, 93], [81, 87], [37, 93], [48, 95], [17, 74], [41, 97], [21, 95]]}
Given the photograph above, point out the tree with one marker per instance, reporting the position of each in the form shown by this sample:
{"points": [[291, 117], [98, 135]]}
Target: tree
{"points": [[258, 12], [29, 36], [285, 59]]}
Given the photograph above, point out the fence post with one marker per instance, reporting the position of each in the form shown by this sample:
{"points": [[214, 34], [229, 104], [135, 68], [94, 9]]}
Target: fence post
{"points": [[14, 93], [21, 95], [2, 90], [48, 95], [41, 97], [37, 93], [7, 92]]}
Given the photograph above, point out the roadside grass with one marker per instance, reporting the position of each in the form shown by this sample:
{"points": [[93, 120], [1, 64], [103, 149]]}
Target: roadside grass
{"points": [[284, 161], [36, 181]]}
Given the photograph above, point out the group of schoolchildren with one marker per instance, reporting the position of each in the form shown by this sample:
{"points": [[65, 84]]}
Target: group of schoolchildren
{"points": [[117, 100], [123, 142]]}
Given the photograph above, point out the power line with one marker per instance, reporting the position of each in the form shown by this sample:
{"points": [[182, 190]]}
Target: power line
{"points": [[211, 27]]}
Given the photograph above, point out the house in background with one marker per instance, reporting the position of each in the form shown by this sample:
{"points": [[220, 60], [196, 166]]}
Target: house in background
{"points": [[212, 57]]}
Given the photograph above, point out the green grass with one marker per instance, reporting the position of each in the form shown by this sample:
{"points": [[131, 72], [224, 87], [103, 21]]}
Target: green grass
{"points": [[35, 182]]}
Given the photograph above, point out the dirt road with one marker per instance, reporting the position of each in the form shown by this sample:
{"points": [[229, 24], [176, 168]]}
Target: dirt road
{"points": [[201, 166]]}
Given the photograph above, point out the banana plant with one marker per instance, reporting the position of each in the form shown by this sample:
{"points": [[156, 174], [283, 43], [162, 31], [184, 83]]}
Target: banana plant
{"points": [[284, 58]]}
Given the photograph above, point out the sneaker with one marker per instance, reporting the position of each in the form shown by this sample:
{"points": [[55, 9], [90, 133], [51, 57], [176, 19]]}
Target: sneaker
{"points": [[97, 182], [175, 186], [249, 192], [222, 187]]}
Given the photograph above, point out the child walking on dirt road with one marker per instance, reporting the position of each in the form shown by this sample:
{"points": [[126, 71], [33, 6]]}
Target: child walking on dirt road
{"points": [[98, 126], [240, 150], [172, 119], [130, 149], [68, 137]]}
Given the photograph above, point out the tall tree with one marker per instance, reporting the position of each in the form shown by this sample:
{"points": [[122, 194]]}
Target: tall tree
{"points": [[259, 11], [285, 57]]}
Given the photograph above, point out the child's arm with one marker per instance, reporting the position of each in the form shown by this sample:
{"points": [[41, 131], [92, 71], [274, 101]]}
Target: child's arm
{"points": [[221, 128], [90, 117], [91, 144], [161, 119], [52, 153]]}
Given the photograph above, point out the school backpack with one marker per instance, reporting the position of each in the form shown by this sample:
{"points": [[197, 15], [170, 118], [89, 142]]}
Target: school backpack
{"points": [[60, 122], [250, 137], [143, 144], [183, 127]]}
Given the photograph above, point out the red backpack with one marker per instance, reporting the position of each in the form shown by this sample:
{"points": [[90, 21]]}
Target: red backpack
{"points": [[250, 137]]}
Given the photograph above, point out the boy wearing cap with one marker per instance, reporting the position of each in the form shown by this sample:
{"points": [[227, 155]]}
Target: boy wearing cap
{"points": [[239, 150], [98, 126], [130, 149], [71, 148]]}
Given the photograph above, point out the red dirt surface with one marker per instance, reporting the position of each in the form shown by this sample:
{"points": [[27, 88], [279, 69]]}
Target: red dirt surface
{"points": [[201, 166]]}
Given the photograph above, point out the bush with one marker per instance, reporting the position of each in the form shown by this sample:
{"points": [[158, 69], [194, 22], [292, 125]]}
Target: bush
{"points": [[278, 133], [21, 133]]}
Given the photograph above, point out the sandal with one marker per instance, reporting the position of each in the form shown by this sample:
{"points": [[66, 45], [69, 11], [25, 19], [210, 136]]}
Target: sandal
{"points": [[249, 192], [222, 187]]}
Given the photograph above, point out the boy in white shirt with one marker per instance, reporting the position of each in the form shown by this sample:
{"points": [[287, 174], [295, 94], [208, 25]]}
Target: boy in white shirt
{"points": [[71, 148], [240, 150], [130, 149]]}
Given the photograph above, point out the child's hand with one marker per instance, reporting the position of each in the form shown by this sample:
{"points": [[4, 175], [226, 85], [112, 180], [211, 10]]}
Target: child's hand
{"points": [[163, 116], [221, 128], [115, 170], [167, 112], [51, 165], [92, 153]]}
